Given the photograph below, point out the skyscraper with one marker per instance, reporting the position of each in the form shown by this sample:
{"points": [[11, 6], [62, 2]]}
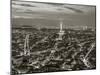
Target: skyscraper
{"points": [[26, 45]]}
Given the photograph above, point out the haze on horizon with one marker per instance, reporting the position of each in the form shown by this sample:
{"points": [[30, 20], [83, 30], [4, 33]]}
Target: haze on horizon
{"points": [[49, 15]]}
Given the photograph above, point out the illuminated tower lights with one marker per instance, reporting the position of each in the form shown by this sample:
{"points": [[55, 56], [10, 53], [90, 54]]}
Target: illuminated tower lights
{"points": [[61, 32]]}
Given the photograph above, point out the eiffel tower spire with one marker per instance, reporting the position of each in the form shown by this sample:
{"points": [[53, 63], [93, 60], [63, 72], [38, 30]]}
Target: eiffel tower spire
{"points": [[61, 26]]}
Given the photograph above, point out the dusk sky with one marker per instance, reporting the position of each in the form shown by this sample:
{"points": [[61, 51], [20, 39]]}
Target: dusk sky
{"points": [[39, 14]]}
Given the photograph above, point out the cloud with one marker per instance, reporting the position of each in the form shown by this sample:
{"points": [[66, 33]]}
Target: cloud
{"points": [[71, 14], [75, 10]]}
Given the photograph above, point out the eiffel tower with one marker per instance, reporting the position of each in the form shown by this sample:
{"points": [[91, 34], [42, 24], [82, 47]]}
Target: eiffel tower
{"points": [[61, 32]]}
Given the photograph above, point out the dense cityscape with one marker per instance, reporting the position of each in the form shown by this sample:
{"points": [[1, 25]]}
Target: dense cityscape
{"points": [[50, 50], [52, 37]]}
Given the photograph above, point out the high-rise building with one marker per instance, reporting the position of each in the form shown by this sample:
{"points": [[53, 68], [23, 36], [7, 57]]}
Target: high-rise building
{"points": [[85, 27], [26, 45]]}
